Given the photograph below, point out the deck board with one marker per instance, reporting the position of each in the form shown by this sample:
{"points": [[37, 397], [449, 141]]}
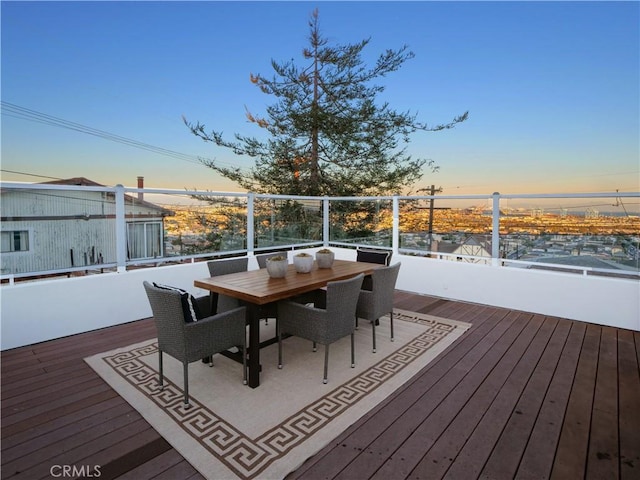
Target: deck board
{"points": [[22, 439], [481, 441], [519, 395], [508, 451], [602, 459], [438, 408], [389, 421], [169, 464], [629, 385], [541, 447], [68, 433], [453, 439], [571, 454]]}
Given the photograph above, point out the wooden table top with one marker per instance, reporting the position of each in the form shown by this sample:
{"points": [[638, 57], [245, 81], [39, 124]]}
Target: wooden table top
{"points": [[257, 287]]}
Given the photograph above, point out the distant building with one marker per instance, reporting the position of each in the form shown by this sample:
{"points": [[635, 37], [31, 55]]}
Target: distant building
{"points": [[473, 246], [55, 229]]}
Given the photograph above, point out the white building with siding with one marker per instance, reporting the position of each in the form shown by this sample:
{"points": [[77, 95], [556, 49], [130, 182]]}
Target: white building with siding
{"points": [[43, 230]]}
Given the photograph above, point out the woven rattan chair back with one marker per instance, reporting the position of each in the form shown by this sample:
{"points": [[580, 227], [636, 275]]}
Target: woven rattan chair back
{"points": [[322, 325], [262, 258], [378, 301], [188, 342], [228, 265], [223, 303]]}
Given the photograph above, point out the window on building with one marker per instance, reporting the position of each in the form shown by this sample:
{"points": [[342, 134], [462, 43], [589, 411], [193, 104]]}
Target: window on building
{"points": [[144, 239], [15, 241]]}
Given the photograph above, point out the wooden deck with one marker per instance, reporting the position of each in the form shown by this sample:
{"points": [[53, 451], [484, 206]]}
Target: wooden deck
{"points": [[519, 396]]}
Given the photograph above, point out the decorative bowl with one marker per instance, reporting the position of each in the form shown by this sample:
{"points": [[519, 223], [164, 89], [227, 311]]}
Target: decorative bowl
{"points": [[277, 266], [325, 258], [303, 262]]}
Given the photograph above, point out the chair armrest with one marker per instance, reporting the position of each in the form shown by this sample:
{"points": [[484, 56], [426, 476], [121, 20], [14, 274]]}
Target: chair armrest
{"points": [[214, 334], [231, 322], [303, 321], [367, 303], [318, 297], [366, 295], [288, 309]]}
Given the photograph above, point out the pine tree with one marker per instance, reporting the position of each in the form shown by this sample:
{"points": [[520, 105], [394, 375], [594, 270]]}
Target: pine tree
{"points": [[327, 135]]}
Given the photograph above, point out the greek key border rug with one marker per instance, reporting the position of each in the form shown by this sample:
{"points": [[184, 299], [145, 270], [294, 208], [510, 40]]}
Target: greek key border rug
{"points": [[232, 431]]}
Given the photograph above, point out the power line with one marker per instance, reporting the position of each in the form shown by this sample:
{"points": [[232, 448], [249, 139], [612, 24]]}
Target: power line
{"points": [[30, 174], [16, 111]]}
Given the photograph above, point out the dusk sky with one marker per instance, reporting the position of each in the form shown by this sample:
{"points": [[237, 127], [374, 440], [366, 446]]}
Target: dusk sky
{"points": [[552, 88]]}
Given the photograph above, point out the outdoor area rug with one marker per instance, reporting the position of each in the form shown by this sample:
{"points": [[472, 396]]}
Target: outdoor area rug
{"points": [[233, 431]]}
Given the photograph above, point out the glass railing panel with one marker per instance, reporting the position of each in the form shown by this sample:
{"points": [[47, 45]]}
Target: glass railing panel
{"points": [[585, 234], [447, 229], [179, 225], [282, 221], [361, 222], [63, 229]]}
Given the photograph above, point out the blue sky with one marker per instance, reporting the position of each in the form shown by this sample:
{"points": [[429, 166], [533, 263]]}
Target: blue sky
{"points": [[552, 87]]}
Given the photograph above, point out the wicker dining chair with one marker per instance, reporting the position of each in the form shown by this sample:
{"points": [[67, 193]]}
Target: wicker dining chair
{"points": [[372, 255], [263, 257], [269, 310], [322, 325], [188, 339], [222, 303], [375, 302]]}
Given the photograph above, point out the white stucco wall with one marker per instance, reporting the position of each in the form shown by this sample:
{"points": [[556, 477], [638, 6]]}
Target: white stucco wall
{"points": [[33, 312]]}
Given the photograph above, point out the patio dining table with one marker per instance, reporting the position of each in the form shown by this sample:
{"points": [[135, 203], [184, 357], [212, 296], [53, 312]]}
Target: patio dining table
{"points": [[256, 288]]}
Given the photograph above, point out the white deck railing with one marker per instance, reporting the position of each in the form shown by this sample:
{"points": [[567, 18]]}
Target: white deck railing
{"points": [[35, 311], [393, 235]]}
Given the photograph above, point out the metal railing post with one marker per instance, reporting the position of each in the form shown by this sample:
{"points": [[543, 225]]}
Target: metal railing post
{"points": [[121, 230], [495, 231], [250, 224], [325, 221], [395, 226]]}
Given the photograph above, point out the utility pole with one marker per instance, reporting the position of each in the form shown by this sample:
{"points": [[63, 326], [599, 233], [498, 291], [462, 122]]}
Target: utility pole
{"points": [[431, 207]]}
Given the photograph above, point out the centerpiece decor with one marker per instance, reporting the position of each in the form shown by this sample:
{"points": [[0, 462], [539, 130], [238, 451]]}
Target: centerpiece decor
{"points": [[325, 258], [277, 266], [303, 262]]}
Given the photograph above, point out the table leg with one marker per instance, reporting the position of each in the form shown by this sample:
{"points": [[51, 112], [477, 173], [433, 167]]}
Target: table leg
{"points": [[253, 316]]}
